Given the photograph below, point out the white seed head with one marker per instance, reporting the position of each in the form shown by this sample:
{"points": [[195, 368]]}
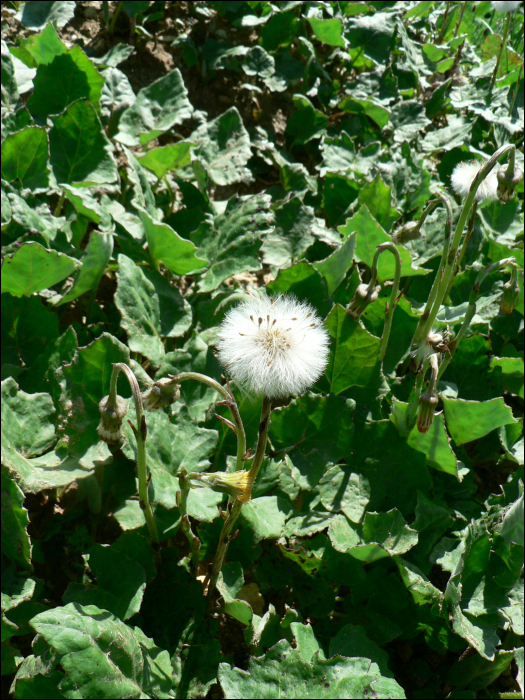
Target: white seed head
{"points": [[273, 347], [463, 176], [505, 6]]}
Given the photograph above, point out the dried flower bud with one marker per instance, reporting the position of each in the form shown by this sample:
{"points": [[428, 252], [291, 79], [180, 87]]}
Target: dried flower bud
{"points": [[427, 406], [511, 292], [111, 417], [409, 232], [507, 183], [362, 298], [163, 393], [237, 484]]}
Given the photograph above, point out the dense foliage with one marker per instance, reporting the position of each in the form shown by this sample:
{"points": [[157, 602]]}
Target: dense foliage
{"points": [[158, 159]]}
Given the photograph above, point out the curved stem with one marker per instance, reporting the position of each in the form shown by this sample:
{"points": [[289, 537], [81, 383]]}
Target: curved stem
{"points": [[471, 310], [393, 297], [413, 407], [516, 90], [140, 432], [418, 335], [224, 539], [503, 45], [466, 240], [447, 275], [229, 401]]}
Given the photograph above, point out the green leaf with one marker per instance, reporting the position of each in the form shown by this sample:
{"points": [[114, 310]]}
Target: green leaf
{"points": [[305, 282], [315, 431], [338, 195], [327, 30], [258, 62], [28, 329], [40, 48], [167, 158], [120, 583], [266, 516], [223, 147], [80, 151], [16, 544], [283, 673], [151, 309], [434, 443], [292, 235], [384, 534], [335, 266], [25, 157], [509, 370], [378, 114], [352, 641], [28, 431], [159, 107], [353, 355], [408, 120], [232, 240], [378, 198], [279, 31], [470, 420], [306, 123], [343, 491], [167, 247], [230, 581], [422, 590], [36, 17], [373, 35], [34, 268], [455, 135], [369, 235], [84, 382], [394, 470], [478, 673], [94, 263], [101, 655], [69, 77]]}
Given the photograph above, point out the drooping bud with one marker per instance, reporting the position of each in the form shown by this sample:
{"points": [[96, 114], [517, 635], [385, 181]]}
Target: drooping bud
{"points": [[364, 296], [511, 292], [161, 394], [111, 416], [409, 232], [507, 182], [427, 406], [237, 484]]}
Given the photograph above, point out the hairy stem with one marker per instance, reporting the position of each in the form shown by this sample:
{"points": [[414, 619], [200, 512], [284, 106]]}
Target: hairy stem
{"points": [[471, 310], [393, 296], [229, 401], [140, 432], [447, 274], [225, 536]]}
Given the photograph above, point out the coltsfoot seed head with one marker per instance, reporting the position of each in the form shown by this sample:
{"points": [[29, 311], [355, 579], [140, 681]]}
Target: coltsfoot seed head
{"points": [[273, 347], [463, 176]]}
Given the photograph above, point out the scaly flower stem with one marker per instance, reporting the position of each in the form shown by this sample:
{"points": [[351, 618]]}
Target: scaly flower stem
{"points": [[471, 310], [516, 90], [418, 335], [225, 536], [229, 401], [413, 408], [182, 498], [393, 295], [466, 240], [426, 322], [503, 45], [140, 432]]}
